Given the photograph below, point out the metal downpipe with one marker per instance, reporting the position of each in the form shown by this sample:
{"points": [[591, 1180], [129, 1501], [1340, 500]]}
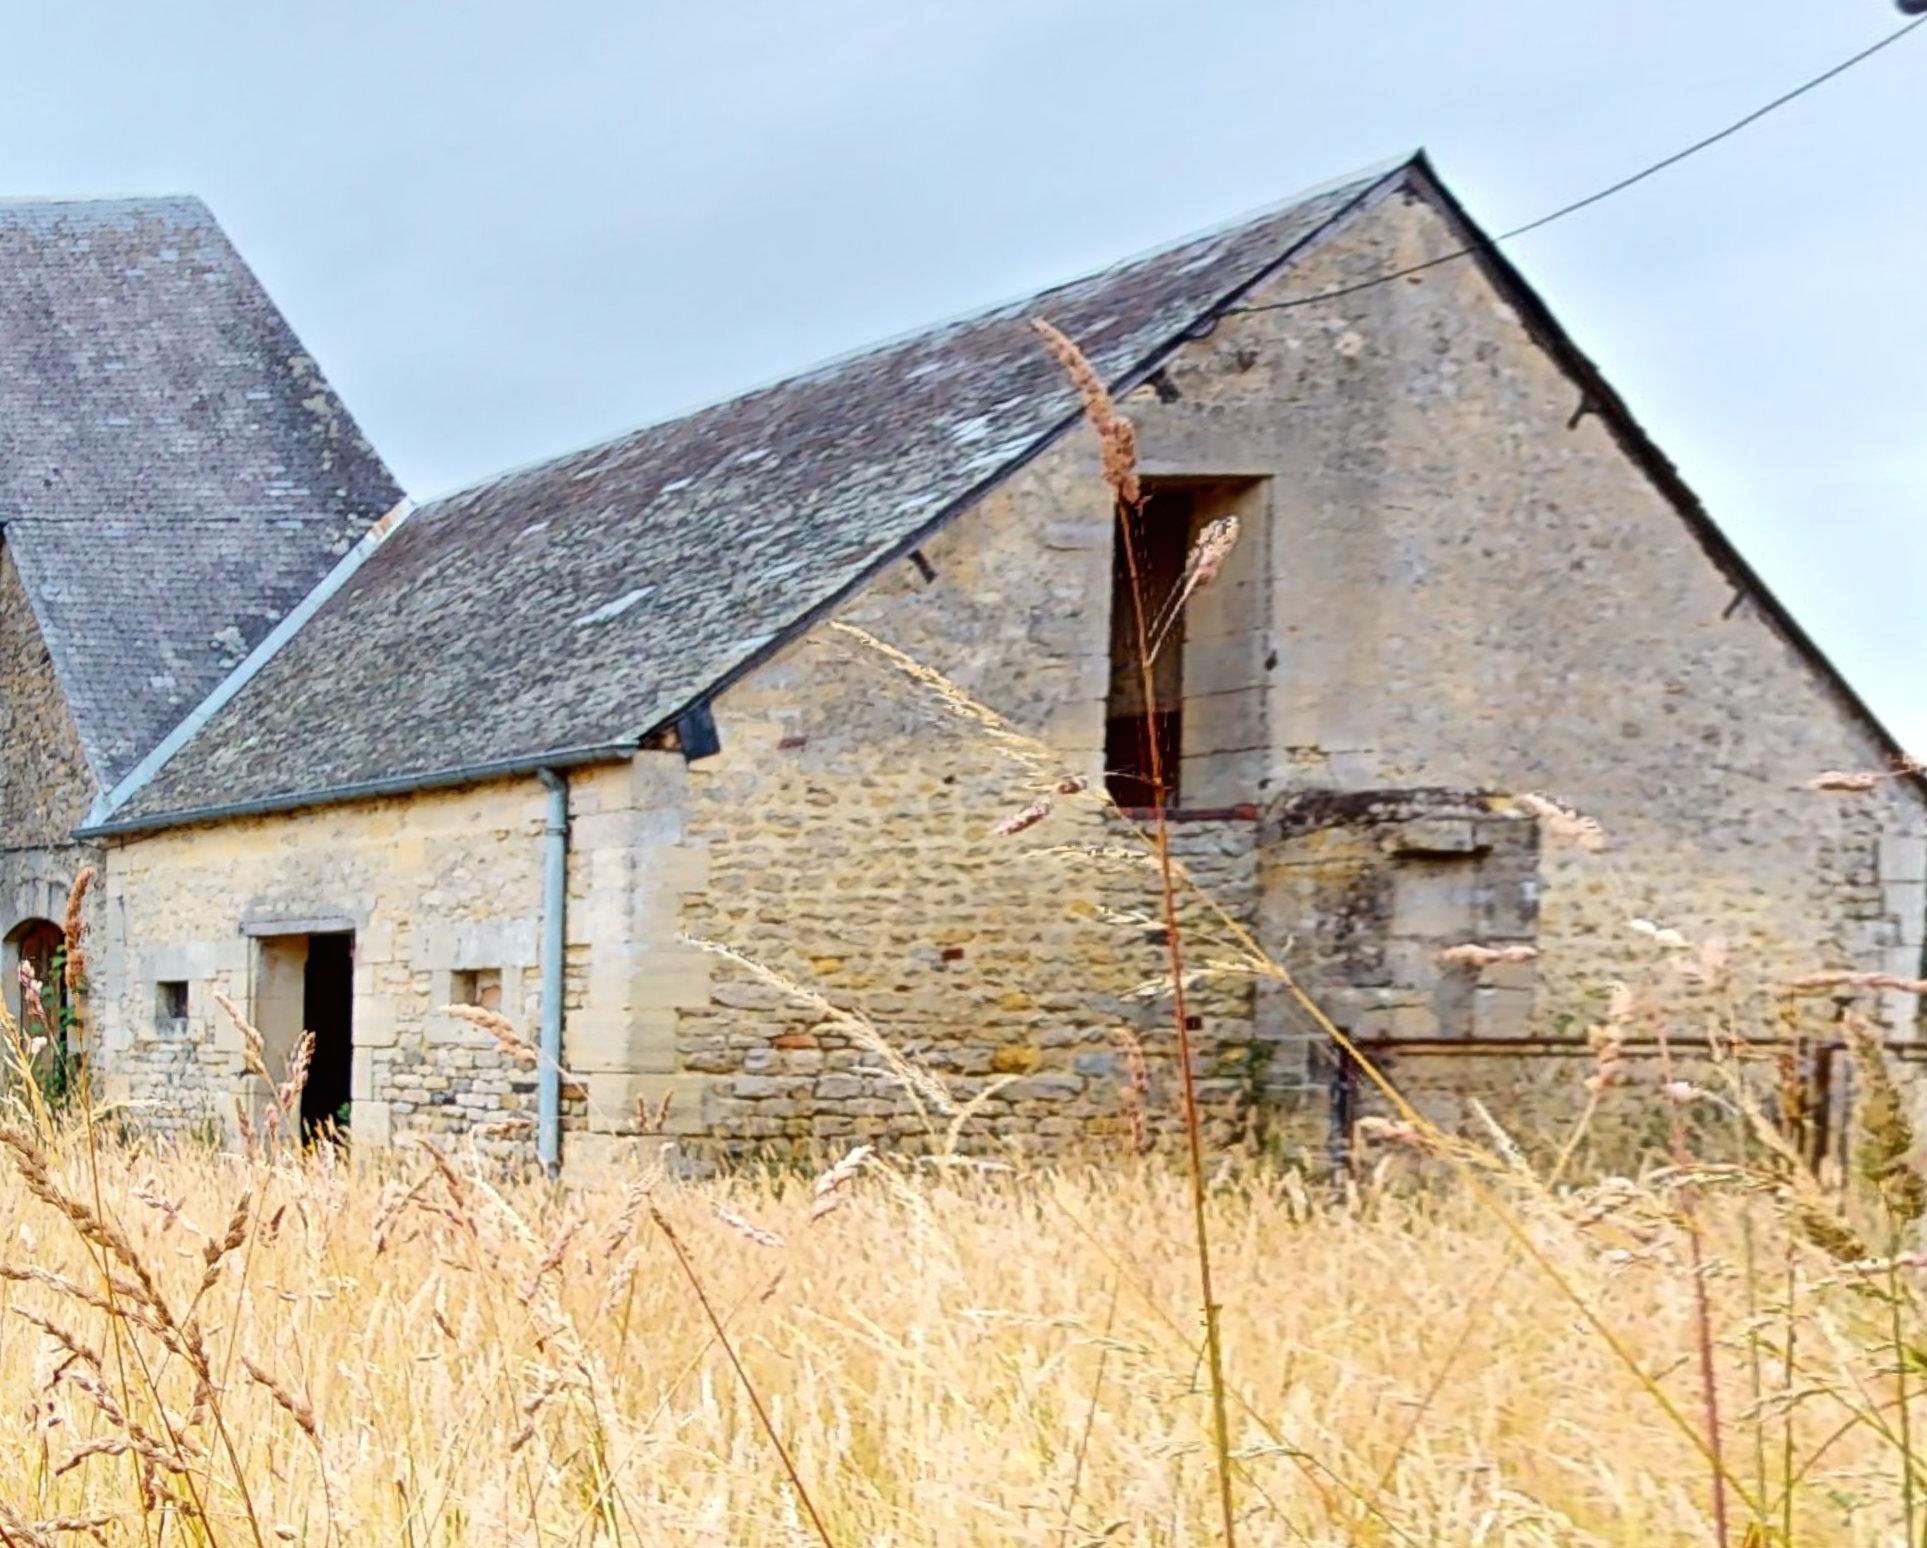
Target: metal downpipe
{"points": [[555, 900]]}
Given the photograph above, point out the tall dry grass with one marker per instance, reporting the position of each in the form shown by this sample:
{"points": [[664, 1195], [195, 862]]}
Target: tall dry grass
{"points": [[413, 1352]]}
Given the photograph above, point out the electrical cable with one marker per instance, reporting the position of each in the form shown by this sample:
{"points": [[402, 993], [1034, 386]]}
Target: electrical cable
{"points": [[1489, 243]]}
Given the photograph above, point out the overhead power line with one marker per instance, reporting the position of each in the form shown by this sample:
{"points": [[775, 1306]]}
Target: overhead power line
{"points": [[1487, 244]]}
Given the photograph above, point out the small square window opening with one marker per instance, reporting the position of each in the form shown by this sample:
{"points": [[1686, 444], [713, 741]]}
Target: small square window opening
{"points": [[479, 987], [170, 1003]]}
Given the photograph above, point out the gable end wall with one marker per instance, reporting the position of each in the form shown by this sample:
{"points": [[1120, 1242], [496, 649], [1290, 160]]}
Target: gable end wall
{"points": [[1460, 588]]}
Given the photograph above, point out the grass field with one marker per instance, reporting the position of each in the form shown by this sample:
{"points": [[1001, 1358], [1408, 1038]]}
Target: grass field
{"points": [[412, 1353]]}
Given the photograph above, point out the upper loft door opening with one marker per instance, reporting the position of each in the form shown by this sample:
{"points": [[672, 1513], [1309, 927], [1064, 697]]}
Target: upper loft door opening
{"points": [[1207, 628], [1147, 620]]}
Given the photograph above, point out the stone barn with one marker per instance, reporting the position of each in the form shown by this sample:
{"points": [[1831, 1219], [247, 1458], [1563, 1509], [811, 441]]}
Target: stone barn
{"points": [[697, 754]]}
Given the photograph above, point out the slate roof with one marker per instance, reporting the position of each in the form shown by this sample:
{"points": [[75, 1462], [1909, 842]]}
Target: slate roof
{"points": [[175, 473], [583, 602]]}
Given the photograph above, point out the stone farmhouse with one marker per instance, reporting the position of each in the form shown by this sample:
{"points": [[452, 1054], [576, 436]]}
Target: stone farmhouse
{"points": [[531, 746]]}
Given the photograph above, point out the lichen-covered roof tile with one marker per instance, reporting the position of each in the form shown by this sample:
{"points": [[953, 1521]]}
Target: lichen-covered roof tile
{"points": [[589, 599]]}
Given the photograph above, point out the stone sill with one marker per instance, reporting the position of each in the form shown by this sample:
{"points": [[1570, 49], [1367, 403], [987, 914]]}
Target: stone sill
{"points": [[1178, 814]]}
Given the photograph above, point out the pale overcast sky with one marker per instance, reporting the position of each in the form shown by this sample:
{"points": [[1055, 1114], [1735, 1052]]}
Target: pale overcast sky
{"points": [[510, 229]]}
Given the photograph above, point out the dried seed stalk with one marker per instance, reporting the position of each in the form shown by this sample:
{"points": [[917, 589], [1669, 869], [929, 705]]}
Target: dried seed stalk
{"points": [[499, 1027], [1473, 955], [1884, 1154], [74, 928], [1116, 435], [252, 1043], [289, 1401], [1120, 471], [1581, 832]]}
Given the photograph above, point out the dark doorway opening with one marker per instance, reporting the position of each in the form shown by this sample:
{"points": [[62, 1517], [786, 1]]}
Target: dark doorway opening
{"points": [[327, 1010], [1160, 533], [41, 945]]}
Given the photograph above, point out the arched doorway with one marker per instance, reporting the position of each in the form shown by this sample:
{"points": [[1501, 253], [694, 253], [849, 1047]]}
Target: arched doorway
{"points": [[41, 945]]}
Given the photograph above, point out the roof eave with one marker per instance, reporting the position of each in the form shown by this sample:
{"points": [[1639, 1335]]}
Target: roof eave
{"points": [[364, 790], [135, 780]]}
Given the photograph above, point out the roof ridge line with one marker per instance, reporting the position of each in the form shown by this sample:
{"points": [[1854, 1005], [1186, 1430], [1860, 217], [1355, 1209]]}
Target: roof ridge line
{"points": [[41, 201], [285, 629], [1372, 172]]}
